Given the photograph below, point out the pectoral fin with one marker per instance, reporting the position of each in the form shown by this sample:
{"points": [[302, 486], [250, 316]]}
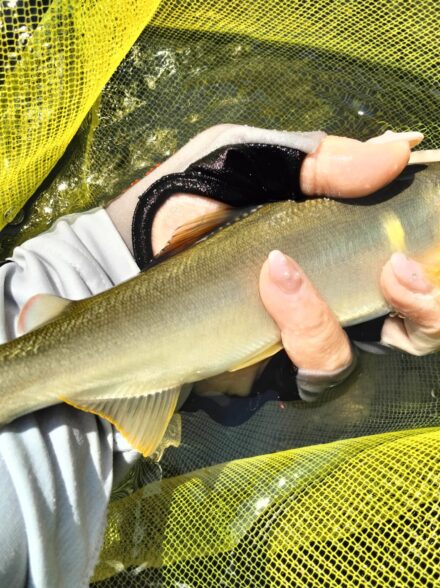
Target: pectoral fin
{"points": [[141, 418], [39, 310], [268, 352], [189, 234], [430, 260]]}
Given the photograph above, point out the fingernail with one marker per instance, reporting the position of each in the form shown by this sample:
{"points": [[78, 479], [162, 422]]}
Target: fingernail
{"points": [[284, 272], [409, 273], [412, 137]]}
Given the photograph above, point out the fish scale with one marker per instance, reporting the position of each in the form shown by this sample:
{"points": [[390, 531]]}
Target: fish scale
{"points": [[198, 313]]}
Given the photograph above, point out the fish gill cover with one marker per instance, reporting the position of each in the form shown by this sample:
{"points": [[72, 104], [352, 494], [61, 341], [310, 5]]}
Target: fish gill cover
{"points": [[340, 493]]}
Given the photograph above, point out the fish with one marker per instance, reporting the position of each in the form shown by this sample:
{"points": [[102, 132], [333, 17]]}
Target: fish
{"points": [[127, 353]]}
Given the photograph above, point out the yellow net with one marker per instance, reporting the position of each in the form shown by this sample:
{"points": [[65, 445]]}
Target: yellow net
{"points": [[361, 513], [345, 67], [55, 58], [338, 508], [92, 95]]}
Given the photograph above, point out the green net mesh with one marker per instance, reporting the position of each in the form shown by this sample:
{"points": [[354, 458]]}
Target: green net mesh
{"points": [[338, 66], [344, 492], [325, 505]]}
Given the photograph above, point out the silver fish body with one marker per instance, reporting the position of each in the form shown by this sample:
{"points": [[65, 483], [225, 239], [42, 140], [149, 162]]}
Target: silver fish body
{"points": [[199, 313]]}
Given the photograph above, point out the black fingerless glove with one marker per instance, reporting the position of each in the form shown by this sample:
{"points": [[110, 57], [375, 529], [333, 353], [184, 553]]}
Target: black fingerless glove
{"points": [[238, 175]]}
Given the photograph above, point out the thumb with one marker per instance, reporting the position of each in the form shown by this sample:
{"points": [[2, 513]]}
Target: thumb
{"points": [[346, 168]]}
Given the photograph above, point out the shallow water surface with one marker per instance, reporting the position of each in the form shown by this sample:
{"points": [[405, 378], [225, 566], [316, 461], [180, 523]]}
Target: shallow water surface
{"points": [[173, 85]]}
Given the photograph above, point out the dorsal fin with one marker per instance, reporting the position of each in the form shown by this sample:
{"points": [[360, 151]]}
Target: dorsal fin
{"points": [[39, 310], [190, 233]]}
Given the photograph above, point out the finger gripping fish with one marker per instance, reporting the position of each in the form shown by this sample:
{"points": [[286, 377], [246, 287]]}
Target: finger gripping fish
{"points": [[125, 354]]}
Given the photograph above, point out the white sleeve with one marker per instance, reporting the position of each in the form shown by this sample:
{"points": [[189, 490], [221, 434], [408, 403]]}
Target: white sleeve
{"points": [[81, 255], [59, 463]]}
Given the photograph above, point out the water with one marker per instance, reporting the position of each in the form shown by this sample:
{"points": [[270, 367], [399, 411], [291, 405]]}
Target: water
{"points": [[172, 86]]}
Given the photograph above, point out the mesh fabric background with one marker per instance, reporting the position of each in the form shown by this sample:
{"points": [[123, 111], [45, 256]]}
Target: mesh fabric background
{"points": [[338, 508], [353, 68], [351, 495], [55, 58]]}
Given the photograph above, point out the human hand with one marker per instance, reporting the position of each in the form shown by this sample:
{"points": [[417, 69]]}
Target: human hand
{"points": [[416, 303], [310, 332]]}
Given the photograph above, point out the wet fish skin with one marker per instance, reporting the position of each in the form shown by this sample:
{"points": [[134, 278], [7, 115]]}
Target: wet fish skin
{"points": [[199, 313]]}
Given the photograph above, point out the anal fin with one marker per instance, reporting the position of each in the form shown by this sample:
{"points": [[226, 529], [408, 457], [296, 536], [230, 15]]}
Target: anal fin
{"points": [[142, 419], [260, 356]]}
